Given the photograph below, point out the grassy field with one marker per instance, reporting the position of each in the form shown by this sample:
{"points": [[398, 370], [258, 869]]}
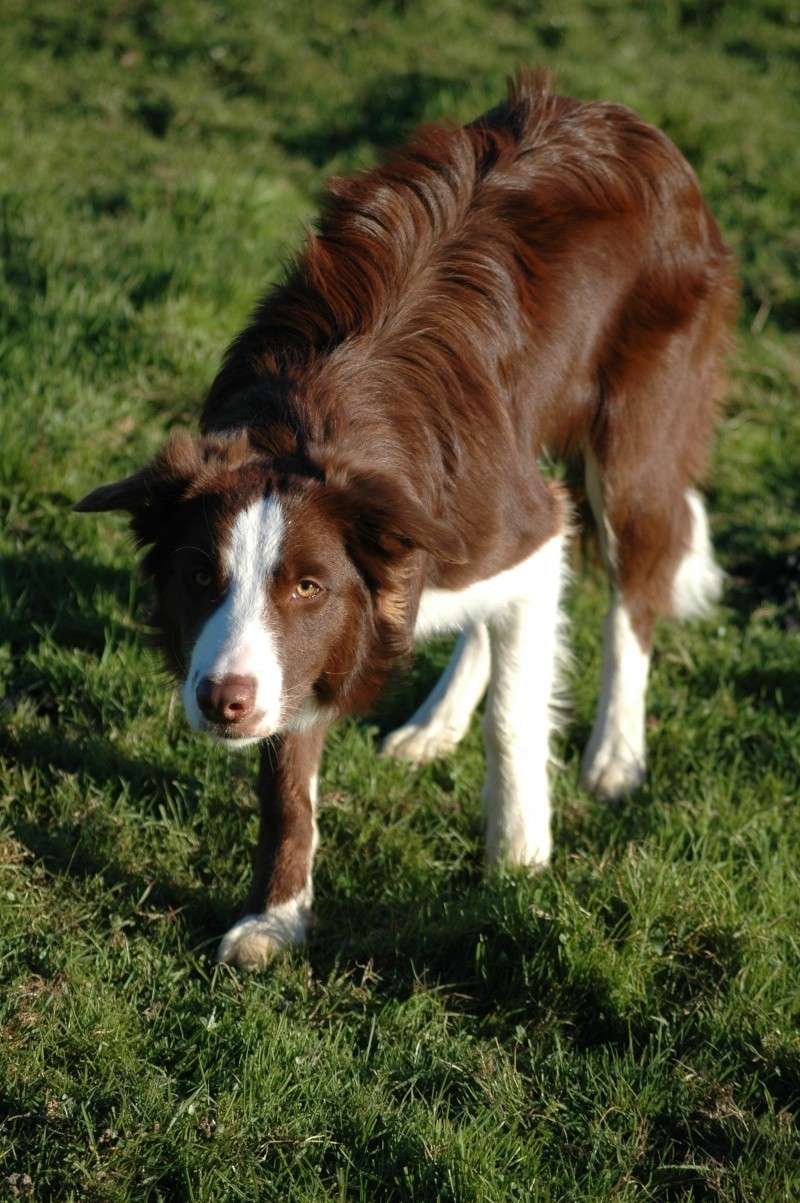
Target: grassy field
{"points": [[624, 1026]]}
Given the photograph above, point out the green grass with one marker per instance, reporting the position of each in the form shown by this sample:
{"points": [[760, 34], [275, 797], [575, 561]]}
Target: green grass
{"points": [[621, 1027]]}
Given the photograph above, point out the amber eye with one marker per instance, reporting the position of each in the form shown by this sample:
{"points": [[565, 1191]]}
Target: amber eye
{"points": [[201, 579], [306, 588]]}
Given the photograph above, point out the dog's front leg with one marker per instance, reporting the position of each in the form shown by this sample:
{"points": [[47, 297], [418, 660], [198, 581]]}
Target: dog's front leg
{"points": [[279, 904]]}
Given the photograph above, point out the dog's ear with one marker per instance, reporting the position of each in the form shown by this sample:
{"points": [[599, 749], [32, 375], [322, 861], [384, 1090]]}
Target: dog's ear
{"points": [[396, 522], [145, 493], [383, 525], [388, 521], [131, 494]]}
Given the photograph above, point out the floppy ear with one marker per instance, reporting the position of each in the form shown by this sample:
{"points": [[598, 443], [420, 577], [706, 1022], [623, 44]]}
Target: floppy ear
{"points": [[399, 523], [129, 494], [392, 523], [144, 494], [383, 525]]}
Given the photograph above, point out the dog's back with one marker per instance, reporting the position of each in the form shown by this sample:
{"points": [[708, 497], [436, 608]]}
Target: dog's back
{"points": [[546, 278]]}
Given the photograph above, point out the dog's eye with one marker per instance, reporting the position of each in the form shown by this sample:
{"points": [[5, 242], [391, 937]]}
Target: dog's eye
{"points": [[201, 579], [306, 588]]}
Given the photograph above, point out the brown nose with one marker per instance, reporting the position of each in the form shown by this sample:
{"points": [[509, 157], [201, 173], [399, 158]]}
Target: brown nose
{"points": [[230, 700]]}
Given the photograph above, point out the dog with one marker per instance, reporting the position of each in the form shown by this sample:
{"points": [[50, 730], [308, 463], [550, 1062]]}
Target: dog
{"points": [[544, 282]]}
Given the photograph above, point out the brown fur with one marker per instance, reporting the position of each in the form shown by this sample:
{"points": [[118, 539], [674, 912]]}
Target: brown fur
{"points": [[282, 860], [547, 277]]}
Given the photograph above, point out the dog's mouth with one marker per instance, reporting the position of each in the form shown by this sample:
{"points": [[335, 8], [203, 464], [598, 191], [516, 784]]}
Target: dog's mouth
{"points": [[235, 735]]}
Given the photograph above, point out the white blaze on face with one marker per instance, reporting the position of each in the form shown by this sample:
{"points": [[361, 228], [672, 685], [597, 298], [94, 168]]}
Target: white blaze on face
{"points": [[237, 639]]}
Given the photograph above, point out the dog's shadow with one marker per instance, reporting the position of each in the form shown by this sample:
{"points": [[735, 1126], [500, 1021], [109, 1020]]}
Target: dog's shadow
{"points": [[488, 944]]}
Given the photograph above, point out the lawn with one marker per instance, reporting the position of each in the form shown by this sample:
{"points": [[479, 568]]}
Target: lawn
{"points": [[623, 1026]]}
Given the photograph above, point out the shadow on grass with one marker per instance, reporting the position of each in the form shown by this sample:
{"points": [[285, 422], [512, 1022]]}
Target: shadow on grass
{"points": [[53, 594], [505, 953], [95, 759], [767, 580], [88, 847], [496, 946], [455, 940], [383, 115], [777, 688]]}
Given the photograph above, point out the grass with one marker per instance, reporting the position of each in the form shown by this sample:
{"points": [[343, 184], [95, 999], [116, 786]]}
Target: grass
{"points": [[621, 1027]]}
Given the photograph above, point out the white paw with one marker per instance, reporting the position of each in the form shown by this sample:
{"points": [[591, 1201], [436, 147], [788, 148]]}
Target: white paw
{"points": [[250, 944], [612, 771], [530, 848], [421, 744], [517, 829], [532, 853], [255, 940]]}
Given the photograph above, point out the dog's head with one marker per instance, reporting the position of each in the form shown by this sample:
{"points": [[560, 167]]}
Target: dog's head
{"points": [[284, 587]]}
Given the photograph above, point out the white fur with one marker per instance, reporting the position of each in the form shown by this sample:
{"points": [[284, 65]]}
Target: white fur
{"points": [[698, 580], [512, 633], [525, 646], [443, 610], [256, 939], [237, 638], [310, 713], [443, 718], [441, 721], [614, 761]]}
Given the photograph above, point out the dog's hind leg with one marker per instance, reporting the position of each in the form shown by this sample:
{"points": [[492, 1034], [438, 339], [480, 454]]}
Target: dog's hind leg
{"points": [[443, 718], [649, 443], [660, 562]]}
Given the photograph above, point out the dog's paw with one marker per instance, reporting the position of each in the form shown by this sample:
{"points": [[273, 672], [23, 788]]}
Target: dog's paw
{"points": [[517, 829], [531, 851], [612, 771], [257, 939], [250, 944], [420, 744]]}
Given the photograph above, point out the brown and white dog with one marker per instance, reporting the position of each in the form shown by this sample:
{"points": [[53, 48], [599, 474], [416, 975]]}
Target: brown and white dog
{"points": [[545, 281]]}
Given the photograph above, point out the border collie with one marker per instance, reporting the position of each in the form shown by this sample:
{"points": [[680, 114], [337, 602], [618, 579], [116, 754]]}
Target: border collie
{"points": [[544, 282]]}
